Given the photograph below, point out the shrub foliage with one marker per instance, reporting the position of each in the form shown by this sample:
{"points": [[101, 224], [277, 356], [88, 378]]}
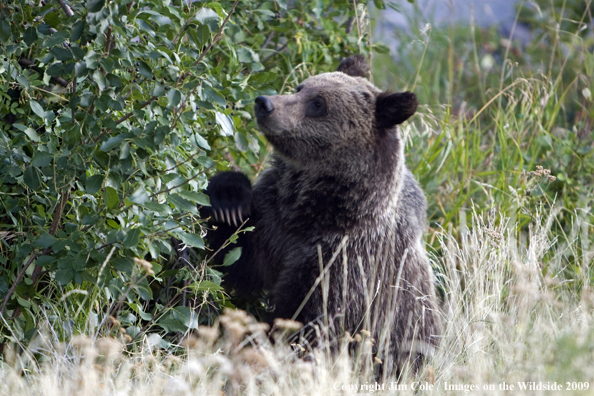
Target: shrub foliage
{"points": [[113, 115]]}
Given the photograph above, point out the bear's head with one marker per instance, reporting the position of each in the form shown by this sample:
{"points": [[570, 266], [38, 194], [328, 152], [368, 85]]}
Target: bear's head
{"points": [[332, 115]]}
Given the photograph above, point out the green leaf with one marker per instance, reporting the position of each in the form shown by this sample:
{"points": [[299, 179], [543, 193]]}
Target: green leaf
{"points": [[145, 70], [59, 245], [77, 30], [182, 204], [32, 135], [110, 197], [23, 81], [138, 309], [123, 264], [241, 142], [89, 219], [99, 78], [131, 239], [226, 123], [114, 81], [193, 240], [95, 5], [186, 317], [200, 141], [381, 48], [173, 98], [56, 39], [64, 276], [44, 241], [232, 256], [4, 30], [159, 90], [55, 69], [210, 95], [41, 159], [24, 303], [32, 178], [62, 54], [170, 324], [139, 196], [80, 69], [162, 209], [205, 15], [143, 290], [204, 286], [94, 184], [37, 109], [45, 261], [30, 35], [114, 141], [196, 197], [52, 18], [379, 4]]}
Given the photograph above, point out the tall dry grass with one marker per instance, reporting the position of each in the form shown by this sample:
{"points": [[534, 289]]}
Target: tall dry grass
{"points": [[504, 323]]}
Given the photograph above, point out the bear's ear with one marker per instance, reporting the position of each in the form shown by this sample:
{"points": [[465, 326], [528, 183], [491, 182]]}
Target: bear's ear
{"points": [[354, 66], [394, 108]]}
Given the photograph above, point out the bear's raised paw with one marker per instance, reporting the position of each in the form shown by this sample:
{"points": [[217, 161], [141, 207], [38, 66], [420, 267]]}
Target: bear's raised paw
{"points": [[230, 196]]}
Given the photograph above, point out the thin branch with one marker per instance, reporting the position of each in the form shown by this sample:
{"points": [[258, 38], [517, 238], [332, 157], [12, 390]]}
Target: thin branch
{"points": [[226, 243], [59, 211], [52, 231], [184, 162], [174, 187], [149, 101], [16, 282], [216, 38], [66, 8], [124, 118], [276, 52], [108, 40]]}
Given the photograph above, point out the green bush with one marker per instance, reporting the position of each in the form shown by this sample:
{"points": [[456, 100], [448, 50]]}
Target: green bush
{"points": [[113, 115]]}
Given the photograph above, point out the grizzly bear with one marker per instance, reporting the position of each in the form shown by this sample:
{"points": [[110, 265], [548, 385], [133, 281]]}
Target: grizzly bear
{"points": [[338, 218]]}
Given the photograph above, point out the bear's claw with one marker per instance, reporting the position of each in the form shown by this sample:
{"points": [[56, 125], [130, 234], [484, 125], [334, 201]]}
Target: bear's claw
{"points": [[230, 196]]}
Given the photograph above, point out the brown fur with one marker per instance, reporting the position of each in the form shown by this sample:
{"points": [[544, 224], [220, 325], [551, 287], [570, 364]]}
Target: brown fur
{"points": [[338, 183]]}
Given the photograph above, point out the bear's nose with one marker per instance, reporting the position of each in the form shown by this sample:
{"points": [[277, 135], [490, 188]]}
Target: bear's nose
{"points": [[264, 106]]}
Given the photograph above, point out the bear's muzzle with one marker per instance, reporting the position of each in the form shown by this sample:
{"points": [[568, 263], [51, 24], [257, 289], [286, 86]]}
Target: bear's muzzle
{"points": [[264, 106]]}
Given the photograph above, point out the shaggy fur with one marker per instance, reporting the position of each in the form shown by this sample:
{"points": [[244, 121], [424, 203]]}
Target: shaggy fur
{"points": [[337, 183]]}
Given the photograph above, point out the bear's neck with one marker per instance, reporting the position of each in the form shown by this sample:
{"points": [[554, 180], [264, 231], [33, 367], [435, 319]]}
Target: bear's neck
{"points": [[344, 193]]}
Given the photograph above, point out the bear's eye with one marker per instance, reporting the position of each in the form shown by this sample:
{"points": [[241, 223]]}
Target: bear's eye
{"points": [[316, 107], [299, 88]]}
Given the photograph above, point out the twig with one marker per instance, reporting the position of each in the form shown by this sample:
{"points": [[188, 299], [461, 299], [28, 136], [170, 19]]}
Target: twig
{"points": [[108, 40], [52, 231], [181, 163], [124, 118], [59, 211], [274, 52], [226, 243], [53, 228], [149, 101], [66, 8], [16, 282], [174, 187], [216, 38]]}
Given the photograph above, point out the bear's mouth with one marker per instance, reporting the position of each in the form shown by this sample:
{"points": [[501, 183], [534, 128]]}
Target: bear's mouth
{"points": [[271, 127]]}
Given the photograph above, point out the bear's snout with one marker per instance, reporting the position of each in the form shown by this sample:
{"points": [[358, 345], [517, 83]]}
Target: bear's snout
{"points": [[264, 106]]}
